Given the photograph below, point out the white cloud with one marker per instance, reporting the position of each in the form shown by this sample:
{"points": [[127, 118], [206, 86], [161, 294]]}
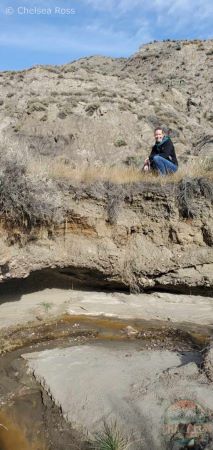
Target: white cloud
{"points": [[184, 16], [164, 18], [118, 6], [121, 32], [74, 39], [171, 7]]}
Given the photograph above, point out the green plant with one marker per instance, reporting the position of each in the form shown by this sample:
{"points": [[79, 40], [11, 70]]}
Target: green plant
{"points": [[110, 438], [120, 142], [46, 306]]}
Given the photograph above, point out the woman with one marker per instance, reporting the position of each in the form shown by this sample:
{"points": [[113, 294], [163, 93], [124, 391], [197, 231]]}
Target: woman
{"points": [[162, 157]]}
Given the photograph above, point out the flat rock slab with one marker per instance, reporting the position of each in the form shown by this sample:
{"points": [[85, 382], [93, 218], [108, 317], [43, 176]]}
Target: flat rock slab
{"points": [[177, 308], [135, 388], [34, 301]]}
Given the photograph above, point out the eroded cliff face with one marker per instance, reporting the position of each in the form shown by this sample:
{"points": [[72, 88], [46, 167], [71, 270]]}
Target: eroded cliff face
{"points": [[126, 238]]}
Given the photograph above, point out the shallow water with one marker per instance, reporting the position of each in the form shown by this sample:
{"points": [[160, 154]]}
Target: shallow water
{"points": [[25, 419], [164, 335], [13, 437]]}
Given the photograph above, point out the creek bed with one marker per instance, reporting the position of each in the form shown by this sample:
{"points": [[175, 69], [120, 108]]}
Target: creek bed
{"points": [[30, 420]]}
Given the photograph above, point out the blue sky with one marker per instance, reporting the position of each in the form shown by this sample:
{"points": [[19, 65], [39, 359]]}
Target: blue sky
{"points": [[69, 29]]}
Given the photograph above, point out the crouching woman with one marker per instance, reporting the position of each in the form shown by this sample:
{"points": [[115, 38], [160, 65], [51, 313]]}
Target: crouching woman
{"points": [[162, 157]]}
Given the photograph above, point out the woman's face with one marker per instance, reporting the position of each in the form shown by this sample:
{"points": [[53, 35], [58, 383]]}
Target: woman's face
{"points": [[158, 135]]}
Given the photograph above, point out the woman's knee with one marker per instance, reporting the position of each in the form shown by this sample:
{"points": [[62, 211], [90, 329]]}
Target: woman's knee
{"points": [[156, 158]]}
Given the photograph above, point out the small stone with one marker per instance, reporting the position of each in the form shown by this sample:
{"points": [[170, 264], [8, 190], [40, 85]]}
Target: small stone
{"points": [[130, 331]]}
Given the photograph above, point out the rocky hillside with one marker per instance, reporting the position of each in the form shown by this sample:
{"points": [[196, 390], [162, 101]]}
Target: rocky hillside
{"points": [[100, 109]]}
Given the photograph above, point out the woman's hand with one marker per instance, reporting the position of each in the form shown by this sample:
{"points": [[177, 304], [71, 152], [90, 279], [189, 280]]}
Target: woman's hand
{"points": [[146, 166]]}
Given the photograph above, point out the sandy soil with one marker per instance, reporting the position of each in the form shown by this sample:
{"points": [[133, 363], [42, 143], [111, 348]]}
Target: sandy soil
{"points": [[50, 296]]}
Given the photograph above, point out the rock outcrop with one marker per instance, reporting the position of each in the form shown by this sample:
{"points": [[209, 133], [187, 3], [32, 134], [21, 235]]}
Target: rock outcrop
{"points": [[135, 237]]}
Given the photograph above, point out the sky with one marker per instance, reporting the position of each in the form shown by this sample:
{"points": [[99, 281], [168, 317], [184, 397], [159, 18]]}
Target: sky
{"points": [[60, 31]]}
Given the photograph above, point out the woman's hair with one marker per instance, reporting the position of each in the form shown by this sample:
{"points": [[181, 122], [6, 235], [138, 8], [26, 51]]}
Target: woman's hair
{"points": [[158, 128]]}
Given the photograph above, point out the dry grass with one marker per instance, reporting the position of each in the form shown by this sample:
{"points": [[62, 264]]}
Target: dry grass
{"points": [[119, 174], [33, 189], [38, 167], [88, 174]]}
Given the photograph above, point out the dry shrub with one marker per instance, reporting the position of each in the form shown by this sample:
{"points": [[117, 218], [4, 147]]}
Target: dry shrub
{"points": [[25, 200], [190, 189]]}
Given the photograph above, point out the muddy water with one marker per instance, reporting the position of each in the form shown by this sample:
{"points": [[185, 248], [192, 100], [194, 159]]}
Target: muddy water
{"points": [[12, 436], [29, 420], [162, 334]]}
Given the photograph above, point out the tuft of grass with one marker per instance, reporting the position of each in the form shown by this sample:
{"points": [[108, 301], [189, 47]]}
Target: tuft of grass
{"points": [[120, 142], [110, 438], [46, 305]]}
